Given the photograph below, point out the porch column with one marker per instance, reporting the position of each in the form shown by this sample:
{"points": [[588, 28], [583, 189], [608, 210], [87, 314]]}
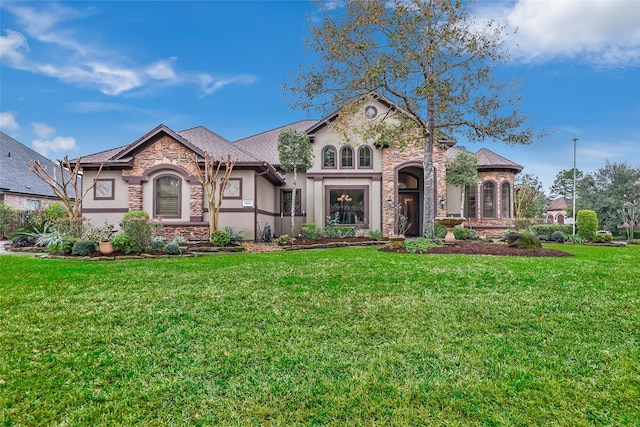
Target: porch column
{"points": [[196, 201], [135, 197]]}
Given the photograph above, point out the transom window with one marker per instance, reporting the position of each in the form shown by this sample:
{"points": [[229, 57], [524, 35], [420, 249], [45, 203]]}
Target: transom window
{"points": [[348, 205], [489, 200], [364, 157], [167, 196], [328, 157], [346, 157]]}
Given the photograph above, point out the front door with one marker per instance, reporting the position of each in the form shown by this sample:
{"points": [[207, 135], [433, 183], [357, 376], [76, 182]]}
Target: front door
{"points": [[410, 207]]}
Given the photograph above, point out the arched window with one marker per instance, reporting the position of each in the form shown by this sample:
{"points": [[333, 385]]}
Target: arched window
{"points": [[505, 200], [346, 157], [489, 200], [328, 157], [167, 200], [560, 219], [364, 157]]}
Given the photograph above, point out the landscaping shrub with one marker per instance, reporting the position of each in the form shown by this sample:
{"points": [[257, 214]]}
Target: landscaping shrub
{"points": [[124, 243], [574, 238], [439, 230], [158, 244], [67, 243], [548, 229], [587, 224], [172, 248], [419, 244], [340, 231], [179, 239], [9, 219], [235, 238], [220, 238], [283, 240], [374, 234], [603, 237], [137, 225], [461, 233], [309, 231], [83, 247], [558, 236]]}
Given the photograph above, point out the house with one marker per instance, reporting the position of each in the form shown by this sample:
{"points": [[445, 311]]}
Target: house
{"points": [[19, 187], [359, 183], [557, 211]]}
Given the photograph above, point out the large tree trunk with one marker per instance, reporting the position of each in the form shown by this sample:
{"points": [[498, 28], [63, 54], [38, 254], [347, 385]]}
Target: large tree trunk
{"points": [[293, 201], [429, 181]]}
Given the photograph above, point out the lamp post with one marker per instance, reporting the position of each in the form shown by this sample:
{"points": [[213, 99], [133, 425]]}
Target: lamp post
{"points": [[574, 185]]}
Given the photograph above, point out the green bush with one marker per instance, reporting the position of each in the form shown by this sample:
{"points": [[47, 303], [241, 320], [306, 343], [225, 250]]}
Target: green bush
{"points": [[54, 212], [283, 240], [461, 233], [9, 220], [309, 231], [67, 244], [235, 238], [122, 242], [558, 236], [340, 231], [548, 229], [83, 247], [574, 238], [172, 248], [439, 230], [602, 237], [220, 238], [419, 244], [374, 234], [158, 244], [587, 224], [137, 225]]}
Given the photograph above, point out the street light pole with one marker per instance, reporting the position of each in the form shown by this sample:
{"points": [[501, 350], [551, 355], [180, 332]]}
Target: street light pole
{"points": [[574, 185]]}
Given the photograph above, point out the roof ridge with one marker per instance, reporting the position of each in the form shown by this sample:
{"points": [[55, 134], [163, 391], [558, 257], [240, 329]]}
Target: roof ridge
{"points": [[276, 128]]}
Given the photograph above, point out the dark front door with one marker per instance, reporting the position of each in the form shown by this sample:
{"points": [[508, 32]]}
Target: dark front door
{"points": [[410, 207]]}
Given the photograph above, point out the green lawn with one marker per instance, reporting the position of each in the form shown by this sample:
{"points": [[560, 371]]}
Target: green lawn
{"points": [[335, 337]]}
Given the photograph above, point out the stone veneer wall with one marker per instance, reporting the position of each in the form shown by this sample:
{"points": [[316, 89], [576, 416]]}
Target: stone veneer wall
{"points": [[189, 232], [395, 158], [493, 227]]}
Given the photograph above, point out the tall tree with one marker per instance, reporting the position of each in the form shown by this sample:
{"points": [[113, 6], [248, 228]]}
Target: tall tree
{"points": [[462, 170], [295, 153], [430, 58], [67, 187], [563, 184], [529, 197], [213, 184], [608, 190]]}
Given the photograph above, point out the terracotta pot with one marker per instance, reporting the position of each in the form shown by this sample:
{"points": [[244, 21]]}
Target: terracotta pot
{"points": [[106, 247], [396, 242]]}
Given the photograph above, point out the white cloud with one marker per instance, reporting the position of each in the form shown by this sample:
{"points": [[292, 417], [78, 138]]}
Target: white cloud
{"points": [[8, 121], [78, 62], [57, 144], [602, 32], [43, 130]]}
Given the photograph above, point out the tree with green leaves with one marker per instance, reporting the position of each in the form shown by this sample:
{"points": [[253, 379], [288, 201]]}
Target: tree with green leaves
{"points": [[563, 184], [529, 199], [295, 154], [430, 58], [462, 171]]}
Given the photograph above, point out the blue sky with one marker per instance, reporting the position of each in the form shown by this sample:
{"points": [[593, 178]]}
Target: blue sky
{"points": [[80, 77]]}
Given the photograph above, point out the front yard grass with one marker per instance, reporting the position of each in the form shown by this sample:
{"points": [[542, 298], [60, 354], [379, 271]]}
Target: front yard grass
{"points": [[337, 337]]}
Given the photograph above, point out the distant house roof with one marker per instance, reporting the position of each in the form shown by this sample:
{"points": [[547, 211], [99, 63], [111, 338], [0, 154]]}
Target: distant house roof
{"points": [[559, 204], [487, 159], [15, 176]]}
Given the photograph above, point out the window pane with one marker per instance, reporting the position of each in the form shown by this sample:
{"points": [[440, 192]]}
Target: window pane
{"points": [[33, 205], [286, 201], [365, 157], [168, 196], [505, 207], [488, 200], [329, 157], [470, 205], [348, 205], [346, 157]]}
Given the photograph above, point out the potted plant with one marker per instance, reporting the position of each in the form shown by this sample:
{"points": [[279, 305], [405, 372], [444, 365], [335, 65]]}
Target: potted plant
{"points": [[400, 226], [104, 235]]}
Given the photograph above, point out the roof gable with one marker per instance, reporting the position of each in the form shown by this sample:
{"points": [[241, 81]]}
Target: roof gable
{"points": [[152, 135]]}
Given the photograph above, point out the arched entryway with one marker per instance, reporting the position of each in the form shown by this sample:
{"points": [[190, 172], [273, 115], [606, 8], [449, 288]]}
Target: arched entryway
{"points": [[410, 184]]}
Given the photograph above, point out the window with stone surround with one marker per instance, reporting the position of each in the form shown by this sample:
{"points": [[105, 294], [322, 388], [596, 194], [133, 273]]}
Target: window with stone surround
{"points": [[167, 191], [505, 200], [489, 200]]}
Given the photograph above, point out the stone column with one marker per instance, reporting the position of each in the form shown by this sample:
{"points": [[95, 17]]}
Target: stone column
{"points": [[135, 197], [196, 209]]}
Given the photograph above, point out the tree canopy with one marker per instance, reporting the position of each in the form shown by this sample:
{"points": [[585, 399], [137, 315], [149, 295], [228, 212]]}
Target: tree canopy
{"points": [[529, 200], [563, 184], [430, 58], [462, 170]]}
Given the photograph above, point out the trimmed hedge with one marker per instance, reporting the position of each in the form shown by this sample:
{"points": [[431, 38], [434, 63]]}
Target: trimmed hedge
{"points": [[549, 229], [587, 224]]}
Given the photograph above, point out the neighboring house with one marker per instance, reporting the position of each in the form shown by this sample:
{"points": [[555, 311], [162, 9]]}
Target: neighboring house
{"points": [[557, 211], [19, 187], [357, 183]]}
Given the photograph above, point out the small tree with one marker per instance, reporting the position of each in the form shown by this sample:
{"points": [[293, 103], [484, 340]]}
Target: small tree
{"points": [[630, 216], [563, 184], [66, 188], [529, 198], [587, 222], [294, 152], [463, 171], [213, 185]]}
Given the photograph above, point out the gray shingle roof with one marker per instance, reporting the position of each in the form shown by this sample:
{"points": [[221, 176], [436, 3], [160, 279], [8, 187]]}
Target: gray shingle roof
{"points": [[216, 145], [15, 175], [265, 145], [487, 159]]}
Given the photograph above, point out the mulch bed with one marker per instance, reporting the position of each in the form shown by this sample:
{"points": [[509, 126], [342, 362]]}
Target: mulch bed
{"points": [[479, 248]]}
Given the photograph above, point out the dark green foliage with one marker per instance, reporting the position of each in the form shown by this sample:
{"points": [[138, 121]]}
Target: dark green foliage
{"points": [[83, 247], [419, 244], [172, 248], [548, 229], [587, 224], [558, 236], [67, 244], [124, 243], [309, 231], [440, 230], [220, 238], [157, 245], [374, 234], [461, 233], [523, 240], [137, 225], [235, 238], [135, 215], [602, 238], [340, 231]]}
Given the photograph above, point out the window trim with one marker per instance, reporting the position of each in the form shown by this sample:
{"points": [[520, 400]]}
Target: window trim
{"points": [[469, 191], [502, 201], [343, 150], [155, 196], [360, 150], [112, 195], [335, 157], [327, 203], [495, 211], [237, 197]]}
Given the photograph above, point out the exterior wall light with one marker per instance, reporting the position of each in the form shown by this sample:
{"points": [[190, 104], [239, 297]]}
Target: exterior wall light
{"points": [[441, 202]]}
